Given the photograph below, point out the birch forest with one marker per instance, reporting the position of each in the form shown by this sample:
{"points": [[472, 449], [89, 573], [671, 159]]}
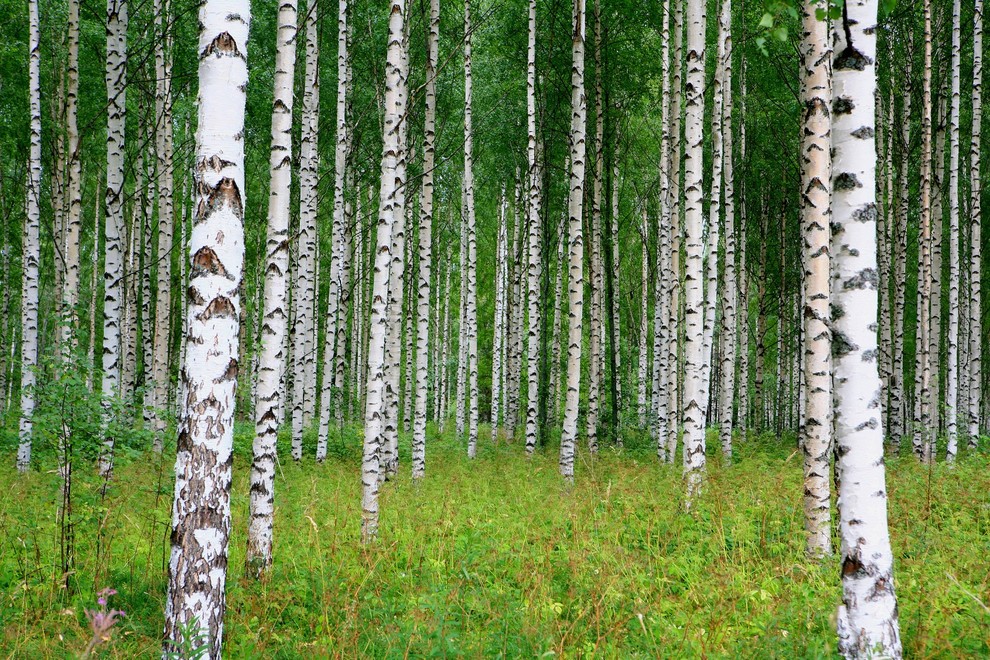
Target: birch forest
{"points": [[493, 328]]}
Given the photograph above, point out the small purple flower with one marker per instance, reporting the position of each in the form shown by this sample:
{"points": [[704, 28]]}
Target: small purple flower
{"points": [[101, 621]]}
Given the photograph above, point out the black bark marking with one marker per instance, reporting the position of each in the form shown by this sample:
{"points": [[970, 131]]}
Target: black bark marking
{"points": [[223, 45], [219, 307], [864, 279], [847, 181], [206, 262], [842, 105]]}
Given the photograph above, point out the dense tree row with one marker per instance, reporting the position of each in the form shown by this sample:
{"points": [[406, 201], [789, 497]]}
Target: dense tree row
{"points": [[455, 254]]}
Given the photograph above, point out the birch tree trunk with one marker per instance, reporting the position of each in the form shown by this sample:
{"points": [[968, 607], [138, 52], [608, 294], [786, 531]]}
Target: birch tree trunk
{"points": [[163, 148], [329, 399], [471, 307], [304, 273], [976, 218], [730, 286], [378, 324], [595, 270], [692, 406], [533, 216], [31, 247], [898, 411], [558, 289], [201, 509], [644, 323], [272, 363], [425, 245], [116, 80], [923, 436], [73, 220], [575, 282], [952, 354], [498, 331], [615, 318], [816, 214], [867, 621]]}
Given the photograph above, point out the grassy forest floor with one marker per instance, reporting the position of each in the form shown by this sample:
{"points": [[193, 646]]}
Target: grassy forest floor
{"points": [[495, 558]]}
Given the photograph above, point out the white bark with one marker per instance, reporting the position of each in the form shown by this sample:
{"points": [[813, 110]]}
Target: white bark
{"points": [[692, 404], [595, 269], [575, 282], [867, 622], [31, 247], [533, 217], [73, 220], [116, 80], [274, 321], [924, 436], [974, 368], [425, 246], [952, 354], [471, 307], [730, 283], [163, 149], [498, 331], [378, 324], [201, 510], [330, 396], [644, 322], [816, 176], [304, 273]]}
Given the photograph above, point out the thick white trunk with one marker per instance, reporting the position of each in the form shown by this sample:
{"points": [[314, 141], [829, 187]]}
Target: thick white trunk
{"points": [[867, 621], [201, 510], [471, 306], [595, 269]]}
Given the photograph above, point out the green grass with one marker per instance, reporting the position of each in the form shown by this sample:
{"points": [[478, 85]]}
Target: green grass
{"points": [[497, 558]]}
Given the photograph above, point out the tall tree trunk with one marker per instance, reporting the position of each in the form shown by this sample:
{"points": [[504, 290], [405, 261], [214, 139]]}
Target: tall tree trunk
{"points": [[674, 374], [595, 270], [867, 622], [558, 289], [816, 213], [924, 436], [378, 324], [471, 307], [498, 331], [201, 512], [974, 371], [304, 274], [730, 284], [272, 363], [692, 406], [533, 251], [116, 79], [163, 149], [644, 323], [329, 398], [952, 353], [575, 281], [73, 221], [614, 281], [31, 247], [425, 244], [898, 428]]}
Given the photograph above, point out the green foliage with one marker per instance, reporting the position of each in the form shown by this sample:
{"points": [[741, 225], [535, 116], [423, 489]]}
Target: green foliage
{"points": [[495, 558]]}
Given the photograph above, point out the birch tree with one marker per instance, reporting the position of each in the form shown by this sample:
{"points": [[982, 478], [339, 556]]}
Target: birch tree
{"points": [[692, 405], [975, 372], [201, 510], [471, 304], [952, 353], [425, 244], [595, 270], [575, 282], [304, 272], [116, 80], [867, 620], [816, 175], [31, 247], [378, 323], [272, 363], [328, 398], [533, 218]]}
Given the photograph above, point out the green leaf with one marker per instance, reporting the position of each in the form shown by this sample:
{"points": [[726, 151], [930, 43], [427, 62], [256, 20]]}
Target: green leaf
{"points": [[780, 33], [766, 21]]}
